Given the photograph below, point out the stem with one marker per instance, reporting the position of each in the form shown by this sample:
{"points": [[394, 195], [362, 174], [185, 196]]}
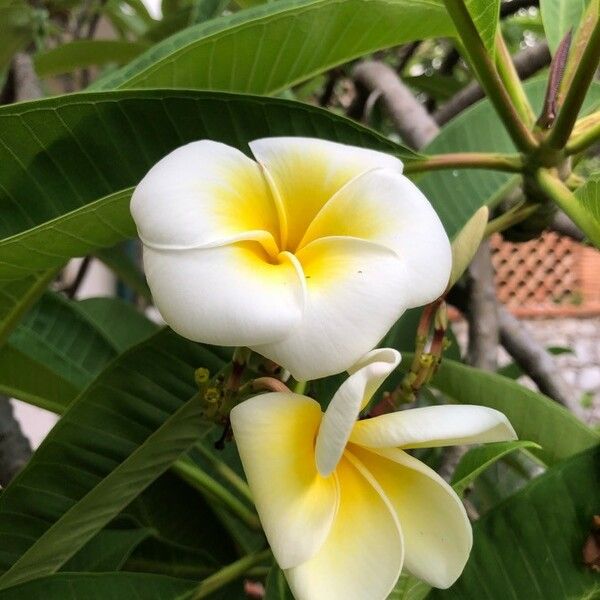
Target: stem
{"points": [[488, 76], [226, 472], [228, 574], [577, 90], [513, 163], [207, 485], [583, 139], [299, 387], [512, 81], [560, 193], [509, 218]]}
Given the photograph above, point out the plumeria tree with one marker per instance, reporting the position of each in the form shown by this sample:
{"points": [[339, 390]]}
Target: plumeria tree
{"points": [[290, 194]]}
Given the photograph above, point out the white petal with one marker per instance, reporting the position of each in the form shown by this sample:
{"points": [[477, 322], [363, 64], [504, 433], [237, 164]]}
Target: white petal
{"points": [[433, 426], [229, 295], [201, 194], [306, 172], [275, 436], [362, 556], [352, 396], [355, 293], [384, 206], [437, 532]]}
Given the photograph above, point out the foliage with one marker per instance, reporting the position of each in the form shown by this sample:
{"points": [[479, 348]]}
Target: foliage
{"points": [[127, 495]]}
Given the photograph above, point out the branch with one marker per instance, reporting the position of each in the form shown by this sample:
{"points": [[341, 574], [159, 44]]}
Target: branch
{"points": [[533, 358], [413, 123], [564, 226], [527, 62], [26, 83], [14, 446], [511, 163]]}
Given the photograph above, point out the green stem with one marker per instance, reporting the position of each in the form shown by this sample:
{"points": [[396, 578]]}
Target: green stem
{"points": [[513, 163], [512, 82], [488, 76], [228, 574], [588, 137], [299, 387], [555, 189], [509, 218], [577, 91], [200, 480], [226, 472]]}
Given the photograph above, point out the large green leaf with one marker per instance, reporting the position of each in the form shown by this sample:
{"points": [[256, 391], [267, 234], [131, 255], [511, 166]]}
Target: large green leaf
{"points": [[61, 345], [485, 15], [480, 458], [530, 545], [271, 47], [117, 437], [534, 416], [589, 196], [18, 296], [457, 194], [101, 586], [85, 53], [68, 163], [559, 16]]}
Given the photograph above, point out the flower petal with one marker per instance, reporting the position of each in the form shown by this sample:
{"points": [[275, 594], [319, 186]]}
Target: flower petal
{"points": [[275, 435], [355, 293], [202, 194], [384, 206], [352, 396], [362, 556], [229, 295], [306, 172], [433, 426], [437, 532]]}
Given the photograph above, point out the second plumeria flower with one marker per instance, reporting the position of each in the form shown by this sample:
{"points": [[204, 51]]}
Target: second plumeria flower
{"points": [[307, 255], [342, 503]]}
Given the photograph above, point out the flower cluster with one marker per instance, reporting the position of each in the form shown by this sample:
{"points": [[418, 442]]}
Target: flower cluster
{"points": [[308, 255]]}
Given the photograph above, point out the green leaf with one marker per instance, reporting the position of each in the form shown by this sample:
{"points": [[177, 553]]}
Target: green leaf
{"points": [[120, 323], [276, 587], [559, 16], [61, 345], [18, 296], [283, 43], [485, 15], [68, 163], [457, 195], [101, 586], [116, 438], [81, 54], [534, 416], [125, 269], [478, 459], [589, 196], [107, 551], [530, 545], [409, 588]]}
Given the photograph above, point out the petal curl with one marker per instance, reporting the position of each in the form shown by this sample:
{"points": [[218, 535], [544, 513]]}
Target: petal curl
{"points": [[384, 206], [437, 532], [306, 172], [229, 295], [352, 396], [203, 194], [275, 436], [354, 294], [433, 426], [362, 556]]}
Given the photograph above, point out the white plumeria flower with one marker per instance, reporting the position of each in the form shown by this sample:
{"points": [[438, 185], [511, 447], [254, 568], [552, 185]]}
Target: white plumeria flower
{"points": [[343, 505], [307, 255]]}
